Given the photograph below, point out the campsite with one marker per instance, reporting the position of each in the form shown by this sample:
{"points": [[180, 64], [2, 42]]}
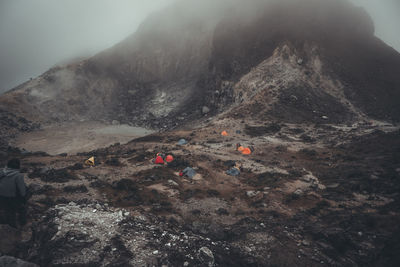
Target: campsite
{"points": [[219, 133]]}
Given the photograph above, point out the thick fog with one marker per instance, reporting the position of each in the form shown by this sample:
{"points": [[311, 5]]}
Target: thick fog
{"points": [[38, 34], [386, 16]]}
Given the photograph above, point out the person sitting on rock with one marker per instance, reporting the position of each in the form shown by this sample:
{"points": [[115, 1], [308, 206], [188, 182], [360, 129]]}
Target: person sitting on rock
{"points": [[12, 194]]}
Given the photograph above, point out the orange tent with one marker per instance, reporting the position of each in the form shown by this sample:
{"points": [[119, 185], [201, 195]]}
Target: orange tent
{"points": [[240, 149], [224, 133], [246, 151]]}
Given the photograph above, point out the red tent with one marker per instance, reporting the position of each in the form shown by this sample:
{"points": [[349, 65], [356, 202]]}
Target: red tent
{"points": [[169, 158], [159, 160]]}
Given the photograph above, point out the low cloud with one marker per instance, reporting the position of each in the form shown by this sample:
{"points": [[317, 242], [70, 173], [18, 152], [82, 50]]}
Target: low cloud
{"points": [[38, 34]]}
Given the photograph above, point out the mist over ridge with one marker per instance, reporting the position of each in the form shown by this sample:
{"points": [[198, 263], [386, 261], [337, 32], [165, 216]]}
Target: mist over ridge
{"points": [[215, 133], [36, 35]]}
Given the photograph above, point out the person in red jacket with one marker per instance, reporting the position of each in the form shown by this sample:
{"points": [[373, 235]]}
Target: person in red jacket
{"points": [[13, 194]]}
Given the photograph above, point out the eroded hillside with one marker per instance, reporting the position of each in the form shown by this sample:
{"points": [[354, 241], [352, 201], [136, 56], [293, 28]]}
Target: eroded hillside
{"points": [[178, 62], [305, 85]]}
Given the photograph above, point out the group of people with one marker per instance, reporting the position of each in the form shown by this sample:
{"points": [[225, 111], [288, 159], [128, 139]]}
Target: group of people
{"points": [[13, 195]]}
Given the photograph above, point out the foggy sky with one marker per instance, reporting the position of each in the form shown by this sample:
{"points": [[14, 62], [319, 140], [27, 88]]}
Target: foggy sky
{"points": [[386, 16], [38, 34]]}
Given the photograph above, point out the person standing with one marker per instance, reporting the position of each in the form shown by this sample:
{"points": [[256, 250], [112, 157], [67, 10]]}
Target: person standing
{"points": [[12, 194]]}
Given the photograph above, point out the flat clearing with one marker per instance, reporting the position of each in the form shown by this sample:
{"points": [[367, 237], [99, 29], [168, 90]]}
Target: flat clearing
{"points": [[77, 137]]}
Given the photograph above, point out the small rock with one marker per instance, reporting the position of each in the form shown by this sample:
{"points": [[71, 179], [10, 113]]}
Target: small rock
{"points": [[155, 252], [252, 193], [300, 61], [360, 233], [374, 177], [206, 256], [305, 243], [335, 185], [233, 171], [324, 117], [308, 178], [298, 192], [94, 211], [182, 142], [205, 110], [172, 183], [185, 264], [247, 249]]}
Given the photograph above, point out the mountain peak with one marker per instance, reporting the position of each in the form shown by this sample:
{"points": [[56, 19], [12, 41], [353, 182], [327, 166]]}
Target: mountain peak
{"points": [[176, 62]]}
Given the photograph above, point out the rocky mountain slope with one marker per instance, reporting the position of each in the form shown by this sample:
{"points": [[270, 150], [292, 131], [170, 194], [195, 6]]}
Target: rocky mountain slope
{"points": [[265, 55], [305, 83]]}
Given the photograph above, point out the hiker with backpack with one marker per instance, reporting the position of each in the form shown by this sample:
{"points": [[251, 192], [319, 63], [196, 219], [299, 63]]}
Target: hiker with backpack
{"points": [[13, 194]]}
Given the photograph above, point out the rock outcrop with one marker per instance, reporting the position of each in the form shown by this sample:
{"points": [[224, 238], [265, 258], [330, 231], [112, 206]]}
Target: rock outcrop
{"points": [[311, 59]]}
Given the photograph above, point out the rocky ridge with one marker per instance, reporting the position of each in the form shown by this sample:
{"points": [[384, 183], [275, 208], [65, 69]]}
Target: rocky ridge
{"points": [[310, 95]]}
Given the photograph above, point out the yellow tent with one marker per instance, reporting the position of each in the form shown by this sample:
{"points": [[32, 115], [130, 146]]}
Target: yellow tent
{"points": [[90, 161]]}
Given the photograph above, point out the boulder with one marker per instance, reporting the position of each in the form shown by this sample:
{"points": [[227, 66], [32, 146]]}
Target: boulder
{"points": [[206, 256]]}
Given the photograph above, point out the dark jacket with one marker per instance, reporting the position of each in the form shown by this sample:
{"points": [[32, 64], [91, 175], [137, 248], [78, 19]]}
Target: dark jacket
{"points": [[12, 183]]}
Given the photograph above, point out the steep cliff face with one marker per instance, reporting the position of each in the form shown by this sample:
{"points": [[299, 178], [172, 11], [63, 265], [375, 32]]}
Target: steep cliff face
{"points": [[327, 46], [298, 81], [152, 75], [288, 60]]}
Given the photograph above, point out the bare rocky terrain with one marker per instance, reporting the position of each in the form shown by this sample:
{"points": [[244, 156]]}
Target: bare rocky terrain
{"points": [[326, 195], [316, 99]]}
